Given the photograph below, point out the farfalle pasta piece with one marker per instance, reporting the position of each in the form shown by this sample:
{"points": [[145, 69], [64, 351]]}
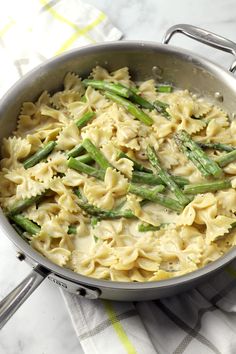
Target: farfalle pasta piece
{"points": [[68, 137], [62, 99], [103, 194], [57, 255], [121, 75], [14, 150], [26, 186], [203, 210], [147, 90], [170, 156], [133, 203], [124, 165], [55, 114], [227, 199], [73, 82], [65, 197], [95, 100], [43, 213], [30, 108], [7, 188]]}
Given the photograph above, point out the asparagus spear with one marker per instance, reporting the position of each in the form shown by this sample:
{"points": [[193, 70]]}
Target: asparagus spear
{"points": [[161, 108], [151, 179], [86, 158], [207, 187], [136, 165], [76, 151], [96, 154], [83, 168], [94, 221], [165, 177], [131, 108], [134, 97], [118, 89], [164, 88], [148, 227], [72, 229], [25, 203], [216, 146], [105, 214], [226, 159], [25, 224], [39, 155], [191, 157], [199, 155], [156, 197], [84, 119]]}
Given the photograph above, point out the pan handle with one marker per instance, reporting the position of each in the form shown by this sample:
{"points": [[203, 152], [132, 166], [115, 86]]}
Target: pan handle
{"points": [[203, 36], [17, 297]]}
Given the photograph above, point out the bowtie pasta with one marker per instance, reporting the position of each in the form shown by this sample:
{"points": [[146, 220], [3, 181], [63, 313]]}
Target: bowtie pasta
{"points": [[120, 180]]}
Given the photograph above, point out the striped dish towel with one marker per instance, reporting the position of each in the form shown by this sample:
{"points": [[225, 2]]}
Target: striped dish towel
{"points": [[32, 31], [200, 321]]}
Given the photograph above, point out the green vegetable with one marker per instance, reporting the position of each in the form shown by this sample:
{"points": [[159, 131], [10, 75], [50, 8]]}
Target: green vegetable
{"points": [[94, 221], [130, 107], [152, 179], [83, 168], [96, 154], [216, 146], [86, 158], [161, 108], [84, 119], [148, 227], [76, 151], [117, 89], [25, 203], [39, 155], [207, 187], [164, 88], [25, 224], [72, 229], [165, 177], [105, 214], [211, 167], [190, 155], [95, 238], [224, 160], [156, 197], [134, 97]]}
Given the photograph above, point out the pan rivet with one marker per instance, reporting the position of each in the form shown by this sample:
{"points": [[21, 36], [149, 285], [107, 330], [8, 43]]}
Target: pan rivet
{"points": [[20, 256], [157, 72], [219, 96], [81, 292]]}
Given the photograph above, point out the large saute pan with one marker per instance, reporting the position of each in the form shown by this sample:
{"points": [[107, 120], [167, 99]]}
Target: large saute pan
{"points": [[145, 60]]}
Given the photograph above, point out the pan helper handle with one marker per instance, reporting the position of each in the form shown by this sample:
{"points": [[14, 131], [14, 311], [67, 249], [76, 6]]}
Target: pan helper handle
{"points": [[203, 36], [17, 297]]}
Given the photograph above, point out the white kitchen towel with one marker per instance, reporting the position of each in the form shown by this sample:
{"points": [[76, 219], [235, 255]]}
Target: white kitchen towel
{"points": [[32, 31], [200, 321]]}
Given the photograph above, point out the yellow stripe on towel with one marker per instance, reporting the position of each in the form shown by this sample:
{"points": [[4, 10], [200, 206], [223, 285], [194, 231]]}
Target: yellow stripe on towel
{"points": [[118, 328], [67, 44], [61, 18], [6, 27]]}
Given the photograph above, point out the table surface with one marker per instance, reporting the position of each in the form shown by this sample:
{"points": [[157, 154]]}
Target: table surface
{"points": [[42, 324]]}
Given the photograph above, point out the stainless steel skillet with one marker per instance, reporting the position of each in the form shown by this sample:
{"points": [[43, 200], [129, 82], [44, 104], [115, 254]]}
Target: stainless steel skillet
{"points": [[145, 60]]}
